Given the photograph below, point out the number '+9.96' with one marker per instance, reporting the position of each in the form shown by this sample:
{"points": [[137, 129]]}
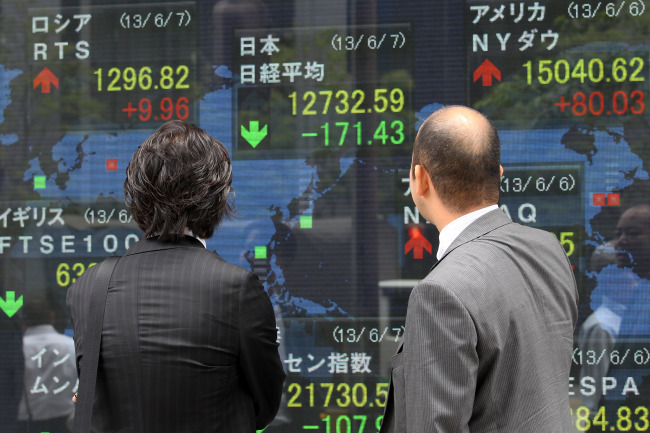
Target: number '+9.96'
{"points": [[166, 109]]}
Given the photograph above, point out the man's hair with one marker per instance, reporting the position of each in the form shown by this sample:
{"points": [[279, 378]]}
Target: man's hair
{"points": [[462, 160], [179, 179]]}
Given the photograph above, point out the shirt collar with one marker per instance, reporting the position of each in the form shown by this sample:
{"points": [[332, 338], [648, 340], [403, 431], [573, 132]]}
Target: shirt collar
{"points": [[455, 228], [40, 329], [188, 232]]}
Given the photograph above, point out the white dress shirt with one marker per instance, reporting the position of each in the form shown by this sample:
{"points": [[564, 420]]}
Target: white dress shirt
{"points": [[454, 228], [188, 232], [50, 374]]}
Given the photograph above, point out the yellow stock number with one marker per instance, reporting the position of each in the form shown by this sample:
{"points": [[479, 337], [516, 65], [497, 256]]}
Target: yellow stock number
{"points": [[340, 395], [566, 240], [312, 103], [67, 273], [593, 70], [144, 78], [626, 419]]}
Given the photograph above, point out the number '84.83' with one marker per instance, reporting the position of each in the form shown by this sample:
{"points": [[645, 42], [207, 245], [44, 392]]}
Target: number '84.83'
{"points": [[626, 419]]}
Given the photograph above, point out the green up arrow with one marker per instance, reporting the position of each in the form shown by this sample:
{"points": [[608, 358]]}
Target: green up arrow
{"points": [[253, 134], [11, 306]]}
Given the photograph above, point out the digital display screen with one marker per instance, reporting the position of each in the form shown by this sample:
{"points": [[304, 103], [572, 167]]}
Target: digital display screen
{"points": [[318, 103]]}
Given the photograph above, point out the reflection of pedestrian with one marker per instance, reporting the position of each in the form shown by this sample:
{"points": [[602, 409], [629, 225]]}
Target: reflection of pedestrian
{"points": [[632, 241], [600, 331], [50, 371], [622, 269], [632, 245], [620, 303]]}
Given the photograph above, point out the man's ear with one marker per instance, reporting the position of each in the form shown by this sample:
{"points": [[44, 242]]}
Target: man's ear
{"points": [[501, 171], [422, 181]]}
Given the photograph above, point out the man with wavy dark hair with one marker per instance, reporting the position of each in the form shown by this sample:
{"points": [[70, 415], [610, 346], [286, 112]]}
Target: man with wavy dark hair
{"points": [[179, 179], [488, 338], [188, 342]]}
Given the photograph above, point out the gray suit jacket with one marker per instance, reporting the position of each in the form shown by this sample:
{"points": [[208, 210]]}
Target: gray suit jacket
{"points": [[489, 334], [188, 344]]}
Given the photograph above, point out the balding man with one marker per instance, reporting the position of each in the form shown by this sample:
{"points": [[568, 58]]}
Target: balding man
{"points": [[489, 331]]}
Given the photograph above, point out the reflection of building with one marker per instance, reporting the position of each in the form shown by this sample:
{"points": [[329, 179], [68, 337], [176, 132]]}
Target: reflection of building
{"points": [[50, 372]]}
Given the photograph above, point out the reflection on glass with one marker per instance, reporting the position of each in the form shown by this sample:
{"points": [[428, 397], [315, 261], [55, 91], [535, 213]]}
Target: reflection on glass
{"points": [[50, 371], [611, 340]]}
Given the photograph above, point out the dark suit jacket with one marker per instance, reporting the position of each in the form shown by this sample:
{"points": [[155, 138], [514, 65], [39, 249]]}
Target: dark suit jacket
{"points": [[489, 334], [188, 343]]}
